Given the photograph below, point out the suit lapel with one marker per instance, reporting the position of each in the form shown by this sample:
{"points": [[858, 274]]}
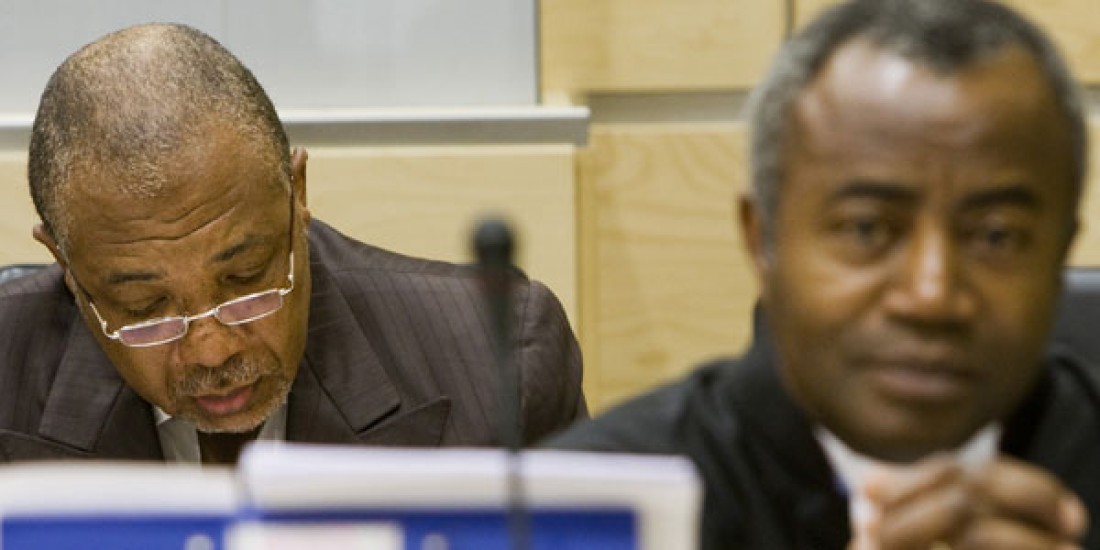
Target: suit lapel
{"points": [[342, 393], [17, 446], [90, 408]]}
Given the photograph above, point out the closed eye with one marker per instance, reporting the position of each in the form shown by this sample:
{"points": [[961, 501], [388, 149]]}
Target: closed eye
{"points": [[246, 279], [146, 311]]}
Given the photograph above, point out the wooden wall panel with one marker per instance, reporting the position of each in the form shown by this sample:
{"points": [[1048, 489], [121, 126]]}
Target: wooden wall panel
{"points": [[665, 283], [657, 45], [17, 215], [424, 201], [1071, 23], [805, 10]]}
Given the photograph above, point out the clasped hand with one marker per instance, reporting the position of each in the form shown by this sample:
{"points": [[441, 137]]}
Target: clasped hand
{"points": [[1004, 505]]}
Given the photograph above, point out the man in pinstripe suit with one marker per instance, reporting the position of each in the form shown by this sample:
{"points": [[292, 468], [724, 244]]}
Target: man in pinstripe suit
{"points": [[196, 306]]}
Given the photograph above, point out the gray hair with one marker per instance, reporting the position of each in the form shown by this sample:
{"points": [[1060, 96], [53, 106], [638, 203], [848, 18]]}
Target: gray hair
{"points": [[120, 107], [944, 34]]}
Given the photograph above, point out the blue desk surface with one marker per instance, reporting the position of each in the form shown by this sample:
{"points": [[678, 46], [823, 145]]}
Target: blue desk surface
{"points": [[462, 529]]}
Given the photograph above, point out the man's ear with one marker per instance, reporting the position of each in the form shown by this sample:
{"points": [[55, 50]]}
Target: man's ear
{"points": [[754, 235], [298, 159], [41, 235]]}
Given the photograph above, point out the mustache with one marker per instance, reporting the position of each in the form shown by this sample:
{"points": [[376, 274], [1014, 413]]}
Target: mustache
{"points": [[237, 371]]}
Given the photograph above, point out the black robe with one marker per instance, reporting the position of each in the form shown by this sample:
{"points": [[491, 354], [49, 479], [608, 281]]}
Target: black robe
{"points": [[767, 482]]}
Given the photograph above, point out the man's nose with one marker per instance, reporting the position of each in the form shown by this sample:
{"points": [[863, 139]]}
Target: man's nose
{"points": [[930, 283], [209, 343]]}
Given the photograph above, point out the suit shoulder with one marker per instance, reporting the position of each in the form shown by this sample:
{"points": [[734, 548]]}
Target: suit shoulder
{"points": [[37, 315], [30, 297], [653, 423], [32, 280], [1072, 369], [358, 267], [342, 254]]}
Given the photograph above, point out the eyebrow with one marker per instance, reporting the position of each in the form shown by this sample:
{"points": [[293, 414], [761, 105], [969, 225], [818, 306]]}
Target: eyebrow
{"points": [[872, 189], [228, 254], [119, 278], [1018, 195]]}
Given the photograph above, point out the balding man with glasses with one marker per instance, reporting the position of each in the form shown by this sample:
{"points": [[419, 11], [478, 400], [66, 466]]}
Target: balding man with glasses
{"points": [[195, 305]]}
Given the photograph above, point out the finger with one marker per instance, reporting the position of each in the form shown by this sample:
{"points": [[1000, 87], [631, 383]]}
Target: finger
{"points": [[994, 532], [1074, 517], [1022, 492], [936, 513]]}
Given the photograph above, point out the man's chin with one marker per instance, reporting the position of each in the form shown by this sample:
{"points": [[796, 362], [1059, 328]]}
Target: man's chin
{"points": [[909, 442], [237, 424]]}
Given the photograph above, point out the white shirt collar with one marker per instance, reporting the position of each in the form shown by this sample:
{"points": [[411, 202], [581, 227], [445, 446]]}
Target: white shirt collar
{"points": [[180, 442], [853, 468]]}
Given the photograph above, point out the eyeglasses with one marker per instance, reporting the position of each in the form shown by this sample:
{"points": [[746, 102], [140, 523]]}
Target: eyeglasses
{"points": [[237, 311]]}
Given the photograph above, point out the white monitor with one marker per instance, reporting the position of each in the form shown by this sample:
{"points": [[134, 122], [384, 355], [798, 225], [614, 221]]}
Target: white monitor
{"points": [[391, 497]]}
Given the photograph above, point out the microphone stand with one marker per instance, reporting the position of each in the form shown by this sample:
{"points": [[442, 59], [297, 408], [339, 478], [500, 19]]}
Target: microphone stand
{"points": [[494, 245]]}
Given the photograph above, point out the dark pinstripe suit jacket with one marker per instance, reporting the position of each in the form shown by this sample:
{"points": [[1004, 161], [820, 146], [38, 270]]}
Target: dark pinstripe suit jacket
{"points": [[397, 354]]}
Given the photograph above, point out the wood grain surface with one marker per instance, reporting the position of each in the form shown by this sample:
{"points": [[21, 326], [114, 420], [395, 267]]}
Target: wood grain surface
{"points": [[657, 45]]}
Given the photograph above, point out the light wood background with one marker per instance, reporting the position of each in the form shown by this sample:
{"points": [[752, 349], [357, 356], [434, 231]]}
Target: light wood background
{"points": [[631, 45], [665, 282], [425, 201]]}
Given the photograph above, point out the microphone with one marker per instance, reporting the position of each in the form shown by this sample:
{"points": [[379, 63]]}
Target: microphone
{"points": [[494, 245]]}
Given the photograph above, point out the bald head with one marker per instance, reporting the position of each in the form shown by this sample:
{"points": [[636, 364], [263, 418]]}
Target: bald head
{"points": [[124, 112]]}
